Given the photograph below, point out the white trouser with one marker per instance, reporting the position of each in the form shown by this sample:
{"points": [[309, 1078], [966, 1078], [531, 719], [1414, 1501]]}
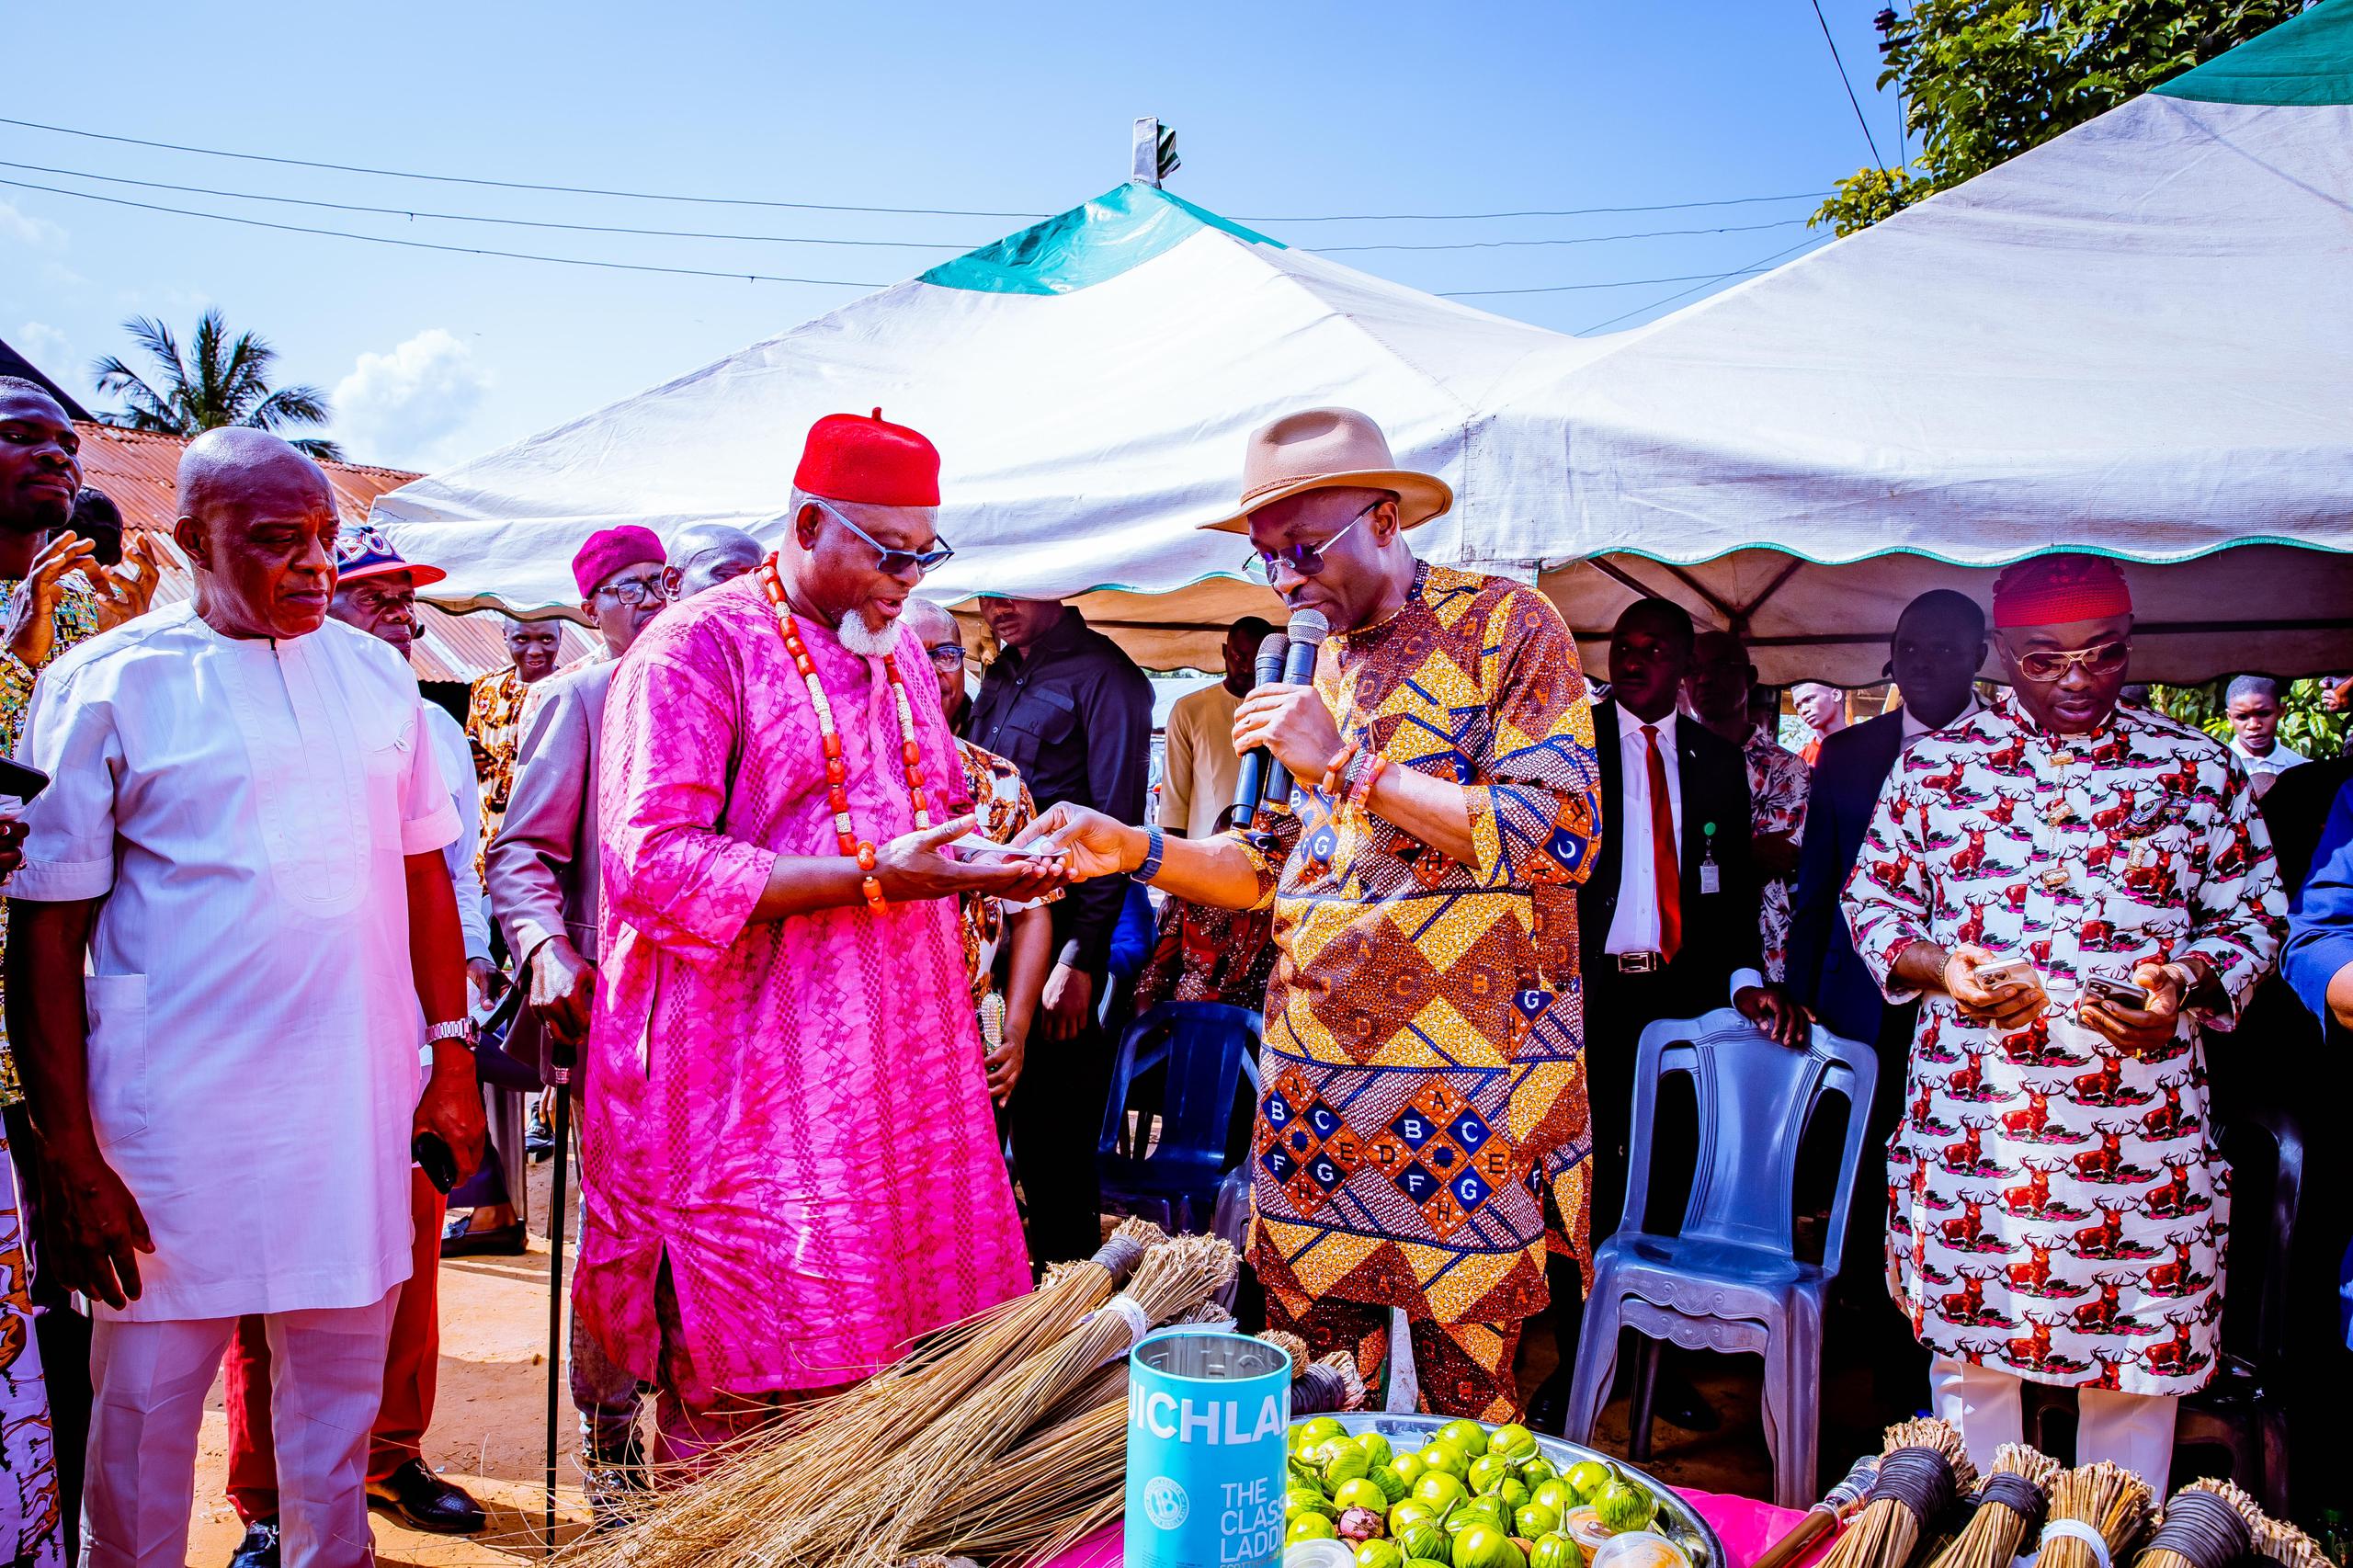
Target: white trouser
{"points": [[2134, 1429], [149, 1380]]}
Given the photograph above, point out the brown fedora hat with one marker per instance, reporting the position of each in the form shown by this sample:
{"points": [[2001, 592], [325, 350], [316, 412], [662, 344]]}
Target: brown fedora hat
{"points": [[1329, 448]]}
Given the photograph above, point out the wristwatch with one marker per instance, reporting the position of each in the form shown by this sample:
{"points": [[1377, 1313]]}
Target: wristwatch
{"points": [[460, 1029], [1155, 844]]}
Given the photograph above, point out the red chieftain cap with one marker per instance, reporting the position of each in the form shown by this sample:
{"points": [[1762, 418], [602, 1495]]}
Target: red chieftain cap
{"points": [[869, 461], [2050, 590]]}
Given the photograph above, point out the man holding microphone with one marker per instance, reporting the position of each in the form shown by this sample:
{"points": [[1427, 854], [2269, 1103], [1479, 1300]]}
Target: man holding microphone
{"points": [[1423, 1045]]}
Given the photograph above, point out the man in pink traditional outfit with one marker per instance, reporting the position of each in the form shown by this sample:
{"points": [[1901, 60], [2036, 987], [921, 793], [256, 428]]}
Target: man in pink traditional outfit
{"points": [[791, 1165]]}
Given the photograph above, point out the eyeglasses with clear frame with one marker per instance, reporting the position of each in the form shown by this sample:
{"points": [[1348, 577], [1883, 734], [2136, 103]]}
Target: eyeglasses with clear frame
{"points": [[635, 592], [1307, 560], [893, 561]]}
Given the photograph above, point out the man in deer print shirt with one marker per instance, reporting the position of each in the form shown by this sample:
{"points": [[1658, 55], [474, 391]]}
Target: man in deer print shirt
{"points": [[2057, 1199]]}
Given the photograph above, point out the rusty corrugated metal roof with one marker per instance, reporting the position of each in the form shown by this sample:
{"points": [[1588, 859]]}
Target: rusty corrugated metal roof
{"points": [[138, 469]]}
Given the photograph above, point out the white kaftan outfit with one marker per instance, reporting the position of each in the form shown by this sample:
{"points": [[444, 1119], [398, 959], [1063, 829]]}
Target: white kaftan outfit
{"points": [[2058, 1208], [244, 808]]}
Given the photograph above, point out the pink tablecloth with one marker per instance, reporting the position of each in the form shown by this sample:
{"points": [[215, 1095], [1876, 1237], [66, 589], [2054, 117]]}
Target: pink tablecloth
{"points": [[1744, 1526]]}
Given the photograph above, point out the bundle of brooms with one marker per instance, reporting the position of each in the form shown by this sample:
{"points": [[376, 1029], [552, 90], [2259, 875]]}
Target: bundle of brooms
{"points": [[2212, 1524], [1922, 1466], [1013, 1399], [2011, 1500], [2101, 1500]]}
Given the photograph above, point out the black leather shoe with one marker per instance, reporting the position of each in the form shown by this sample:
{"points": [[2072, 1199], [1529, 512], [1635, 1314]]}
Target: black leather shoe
{"points": [[1547, 1407], [259, 1549], [425, 1502], [505, 1241], [538, 1138]]}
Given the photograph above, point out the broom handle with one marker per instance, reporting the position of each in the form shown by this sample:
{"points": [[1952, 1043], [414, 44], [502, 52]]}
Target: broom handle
{"points": [[1819, 1521], [1823, 1518]]}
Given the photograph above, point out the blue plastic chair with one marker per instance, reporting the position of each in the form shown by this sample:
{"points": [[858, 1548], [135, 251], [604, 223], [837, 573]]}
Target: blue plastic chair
{"points": [[1172, 1172], [1729, 1280]]}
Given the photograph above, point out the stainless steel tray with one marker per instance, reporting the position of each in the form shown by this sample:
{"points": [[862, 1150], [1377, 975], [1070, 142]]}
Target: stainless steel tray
{"points": [[1677, 1520]]}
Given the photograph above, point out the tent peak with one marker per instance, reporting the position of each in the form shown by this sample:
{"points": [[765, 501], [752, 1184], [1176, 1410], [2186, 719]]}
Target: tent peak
{"points": [[1091, 243], [2305, 62]]}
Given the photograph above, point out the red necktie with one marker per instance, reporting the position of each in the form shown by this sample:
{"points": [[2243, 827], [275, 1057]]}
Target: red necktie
{"points": [[1663, 865]]}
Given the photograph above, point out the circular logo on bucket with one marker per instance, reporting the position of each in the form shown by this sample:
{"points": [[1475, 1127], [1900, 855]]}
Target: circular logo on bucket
{"points": [[1165, 1503]]}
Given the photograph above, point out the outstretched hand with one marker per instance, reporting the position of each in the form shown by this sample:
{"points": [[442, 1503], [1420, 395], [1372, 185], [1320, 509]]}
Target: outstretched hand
{"points": [[1098, 846], [913, 866]]}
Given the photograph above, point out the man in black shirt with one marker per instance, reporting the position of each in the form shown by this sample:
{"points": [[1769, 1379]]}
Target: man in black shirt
{"points": [[1073, 713]]}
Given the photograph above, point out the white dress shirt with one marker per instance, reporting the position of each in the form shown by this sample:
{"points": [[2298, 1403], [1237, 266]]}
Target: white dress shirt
{"points": [[2278, 759], [1634, 923], [245, 809]]}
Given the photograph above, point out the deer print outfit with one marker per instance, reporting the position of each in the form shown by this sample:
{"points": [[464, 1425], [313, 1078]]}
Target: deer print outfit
{"points": [[2057, 1210]]}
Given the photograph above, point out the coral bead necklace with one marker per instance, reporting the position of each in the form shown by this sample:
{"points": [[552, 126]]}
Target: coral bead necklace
{"points": [[837, 768]]}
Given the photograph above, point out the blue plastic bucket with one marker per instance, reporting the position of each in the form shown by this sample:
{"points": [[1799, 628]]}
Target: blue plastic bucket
{"points": [[1207, 1417]]}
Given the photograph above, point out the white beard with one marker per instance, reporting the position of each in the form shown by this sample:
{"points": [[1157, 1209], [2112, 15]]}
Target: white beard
{"points": [[863, 640]]}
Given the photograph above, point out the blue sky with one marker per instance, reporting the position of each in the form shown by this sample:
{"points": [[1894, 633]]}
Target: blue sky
{"points": [[1282, 112]]}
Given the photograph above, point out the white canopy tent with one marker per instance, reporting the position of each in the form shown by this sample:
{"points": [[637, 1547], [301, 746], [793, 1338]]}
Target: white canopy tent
{"points": [[2137, 338], [1089, 382]]}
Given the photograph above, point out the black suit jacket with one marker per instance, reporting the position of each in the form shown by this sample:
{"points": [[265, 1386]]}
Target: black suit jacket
{"points": [[1824, 973], [1719, 929]]}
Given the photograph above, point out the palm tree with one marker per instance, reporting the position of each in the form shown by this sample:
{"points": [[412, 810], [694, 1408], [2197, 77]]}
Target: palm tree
{"points": [[225, 382]]}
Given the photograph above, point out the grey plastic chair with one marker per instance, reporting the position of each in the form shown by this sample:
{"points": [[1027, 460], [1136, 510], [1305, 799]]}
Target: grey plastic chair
{"points": [[1729, 1280]]}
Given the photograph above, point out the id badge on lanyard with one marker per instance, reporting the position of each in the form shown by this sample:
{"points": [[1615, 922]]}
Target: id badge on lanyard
{"points": [[1712, 876]]}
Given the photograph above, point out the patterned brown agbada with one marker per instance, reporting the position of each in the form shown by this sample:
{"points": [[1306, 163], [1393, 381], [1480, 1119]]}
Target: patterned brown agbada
{"points": [[1423, 1072]]}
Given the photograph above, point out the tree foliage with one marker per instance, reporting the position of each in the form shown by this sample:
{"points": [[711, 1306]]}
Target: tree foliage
{"points": [[222, 381], [1985, 80]]}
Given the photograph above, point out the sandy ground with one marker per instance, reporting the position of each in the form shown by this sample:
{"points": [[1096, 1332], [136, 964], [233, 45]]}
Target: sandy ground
{"points": [[490, 1422]]}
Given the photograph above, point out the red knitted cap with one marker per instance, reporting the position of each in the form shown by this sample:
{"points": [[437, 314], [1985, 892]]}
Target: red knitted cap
{"points": [[870, 461], [2050, 590]]}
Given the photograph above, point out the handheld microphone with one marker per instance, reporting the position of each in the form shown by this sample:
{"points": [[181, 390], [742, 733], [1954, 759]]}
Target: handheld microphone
{"points": [[1267, 669], [1308, 629]]}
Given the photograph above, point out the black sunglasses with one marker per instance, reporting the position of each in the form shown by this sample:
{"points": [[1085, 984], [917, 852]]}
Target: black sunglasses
{"points": [[1305, 558], [894, 562]]}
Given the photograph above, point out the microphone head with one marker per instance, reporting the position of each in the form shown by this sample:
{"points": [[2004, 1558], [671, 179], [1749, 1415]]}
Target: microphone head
{"points": [[1309, 626], [1273, 648]]}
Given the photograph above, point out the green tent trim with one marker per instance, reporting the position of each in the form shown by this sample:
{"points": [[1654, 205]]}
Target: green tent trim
{"points": [[2305, 62], [1117, 232]]}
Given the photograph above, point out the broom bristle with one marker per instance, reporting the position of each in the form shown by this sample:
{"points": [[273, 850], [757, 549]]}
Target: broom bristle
{"points": [[1291, 1346], [2107, 1496], [768, 1495], [1996, 1528]]}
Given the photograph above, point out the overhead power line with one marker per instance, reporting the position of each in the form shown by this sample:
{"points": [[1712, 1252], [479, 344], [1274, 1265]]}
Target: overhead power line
{"points": [[951, 245], [840, 207], [1579, 239], [1581, 287], [1528, 212], [515, 185], [1869, 140], [1754, 268], [454, 250], [649, 267], [947, 245]]}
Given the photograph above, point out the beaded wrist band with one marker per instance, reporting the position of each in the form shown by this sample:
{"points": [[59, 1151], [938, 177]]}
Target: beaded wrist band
{"points": [[1155, 844]]}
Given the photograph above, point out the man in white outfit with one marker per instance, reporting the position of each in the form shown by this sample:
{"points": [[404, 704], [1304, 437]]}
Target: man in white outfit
{"points": [[243, 840]]}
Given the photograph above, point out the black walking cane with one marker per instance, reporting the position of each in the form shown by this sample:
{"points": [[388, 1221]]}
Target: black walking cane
{"points": [[560, 1058]]}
